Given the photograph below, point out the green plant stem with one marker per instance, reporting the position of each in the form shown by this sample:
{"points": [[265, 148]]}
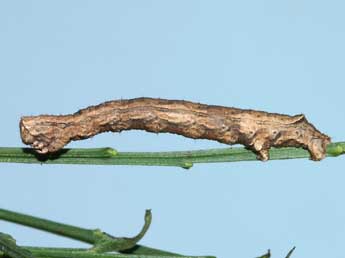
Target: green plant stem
{"points": [[102, 242], [266, 255], [184, 159], [290, 252], [84, 235], [9, 247], [85, 253]]}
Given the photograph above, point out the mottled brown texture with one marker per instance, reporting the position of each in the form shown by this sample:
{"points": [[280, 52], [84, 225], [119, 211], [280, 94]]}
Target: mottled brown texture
{"points": [[257, 130]]}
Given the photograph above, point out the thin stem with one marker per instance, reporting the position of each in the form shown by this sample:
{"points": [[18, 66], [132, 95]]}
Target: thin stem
{"points": [[266, 255], [106, 243], [144, 250], [84, 235], [290, 252], [84, 253], [184, 159], [9, 247], [101, 241]]}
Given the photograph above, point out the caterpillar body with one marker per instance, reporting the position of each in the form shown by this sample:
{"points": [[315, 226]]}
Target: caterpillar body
{"points": [[257, 130]]}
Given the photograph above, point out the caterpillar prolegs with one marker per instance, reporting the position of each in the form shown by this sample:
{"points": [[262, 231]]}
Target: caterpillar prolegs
{"points": [[257, 130]]}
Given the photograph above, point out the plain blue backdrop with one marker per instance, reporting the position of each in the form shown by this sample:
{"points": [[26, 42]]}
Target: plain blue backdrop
{"points": [[280, 56]]}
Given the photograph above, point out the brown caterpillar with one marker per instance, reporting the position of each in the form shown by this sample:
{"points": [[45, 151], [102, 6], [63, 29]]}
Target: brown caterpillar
{"points": [[257, 130]]}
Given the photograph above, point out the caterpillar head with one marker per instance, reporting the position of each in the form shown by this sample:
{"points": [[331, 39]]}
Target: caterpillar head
{"points": [[44, 135]]}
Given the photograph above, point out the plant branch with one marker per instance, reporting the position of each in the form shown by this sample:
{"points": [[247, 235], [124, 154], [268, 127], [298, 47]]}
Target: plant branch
{"points": [[44, 252], [9, 247], [84, 235], [101, 241], [268, 254], [290, 252], [184, 159]]}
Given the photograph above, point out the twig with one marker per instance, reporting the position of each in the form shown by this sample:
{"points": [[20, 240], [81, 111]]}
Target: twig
{"points": [[9, 247], [44, 252], [266, 255], [290, 252], [184, 159], [101, 241]]}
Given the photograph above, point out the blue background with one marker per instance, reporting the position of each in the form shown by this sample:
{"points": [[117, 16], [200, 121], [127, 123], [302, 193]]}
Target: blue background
{"points": [[280, 56]]}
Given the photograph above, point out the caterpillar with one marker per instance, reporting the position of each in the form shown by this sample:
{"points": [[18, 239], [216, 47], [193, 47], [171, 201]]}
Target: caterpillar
{"points": [[256, 130]]}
